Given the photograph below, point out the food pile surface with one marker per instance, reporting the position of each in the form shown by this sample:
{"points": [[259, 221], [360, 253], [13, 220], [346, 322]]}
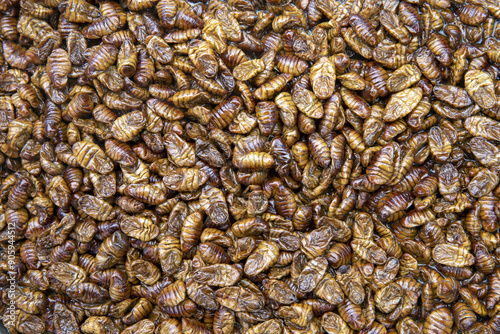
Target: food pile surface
{"points": [[250, 166]]}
